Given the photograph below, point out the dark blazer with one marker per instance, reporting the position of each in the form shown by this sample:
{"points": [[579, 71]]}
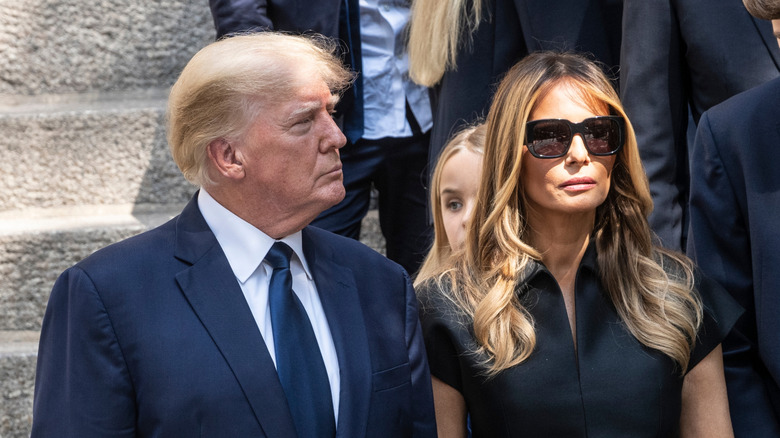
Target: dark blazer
{"points": [[152, 336], [510, 30], [676, 53], [336, 19], [734, 237]]}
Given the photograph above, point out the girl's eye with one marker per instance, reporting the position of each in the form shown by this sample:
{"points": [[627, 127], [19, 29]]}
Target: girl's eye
{"points": [[454, 205]]}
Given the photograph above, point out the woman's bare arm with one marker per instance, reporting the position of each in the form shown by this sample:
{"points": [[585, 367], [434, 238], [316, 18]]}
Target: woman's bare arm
{"points": [[450, 410], [705, 407]]}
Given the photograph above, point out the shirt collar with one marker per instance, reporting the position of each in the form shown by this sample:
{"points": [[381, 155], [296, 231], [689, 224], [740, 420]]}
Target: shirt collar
{"points": [[244, 245], [590, 258], [589, 261]]}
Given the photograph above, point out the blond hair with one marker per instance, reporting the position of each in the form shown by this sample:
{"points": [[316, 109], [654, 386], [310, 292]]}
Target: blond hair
{"points": [[227, 83], [651, 288], [471, 138], [435, 35]]}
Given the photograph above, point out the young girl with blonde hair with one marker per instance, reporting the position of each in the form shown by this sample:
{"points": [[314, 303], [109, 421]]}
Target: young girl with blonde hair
{"points": [[453, 193]]}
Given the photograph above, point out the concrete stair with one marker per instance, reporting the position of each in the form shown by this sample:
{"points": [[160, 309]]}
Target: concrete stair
{"points": [[83, 156]]}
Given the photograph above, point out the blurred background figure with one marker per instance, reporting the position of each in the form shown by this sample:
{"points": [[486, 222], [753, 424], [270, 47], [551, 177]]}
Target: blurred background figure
{"points": [[453, 193], [679, 58], [462, 48], [385, 117], [735, 196], [560, 318]]}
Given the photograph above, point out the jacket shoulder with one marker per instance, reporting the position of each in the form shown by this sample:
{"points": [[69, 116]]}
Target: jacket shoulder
{"points": [[159, 240], [345, 248]]}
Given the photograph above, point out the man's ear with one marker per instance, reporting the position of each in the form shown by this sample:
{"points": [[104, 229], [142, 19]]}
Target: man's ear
{"points": [[226, 159]]}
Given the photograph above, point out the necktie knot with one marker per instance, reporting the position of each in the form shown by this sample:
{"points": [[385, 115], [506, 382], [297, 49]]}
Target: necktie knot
{"points": [[279, 256]]}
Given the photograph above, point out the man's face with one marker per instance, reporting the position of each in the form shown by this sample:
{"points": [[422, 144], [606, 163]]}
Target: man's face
{"points": [[291, 156]]}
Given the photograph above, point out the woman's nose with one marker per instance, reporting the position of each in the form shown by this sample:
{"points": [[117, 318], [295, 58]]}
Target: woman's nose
{"points": [[577, 151]]}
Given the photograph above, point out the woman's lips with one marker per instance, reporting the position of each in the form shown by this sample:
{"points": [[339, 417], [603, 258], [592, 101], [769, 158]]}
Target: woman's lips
{"points": [[578, 184]]}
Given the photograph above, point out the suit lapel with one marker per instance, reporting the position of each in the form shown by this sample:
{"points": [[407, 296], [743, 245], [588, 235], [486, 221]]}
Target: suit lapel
{"points": [[341, 302], [216, 297]]}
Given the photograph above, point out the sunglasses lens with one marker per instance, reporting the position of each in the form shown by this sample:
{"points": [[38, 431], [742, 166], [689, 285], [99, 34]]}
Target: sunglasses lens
{"points": [[550, 138], [602, 136]]}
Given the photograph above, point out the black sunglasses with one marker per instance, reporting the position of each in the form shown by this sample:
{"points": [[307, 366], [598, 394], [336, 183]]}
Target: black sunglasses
{"points": [[551, 138]]}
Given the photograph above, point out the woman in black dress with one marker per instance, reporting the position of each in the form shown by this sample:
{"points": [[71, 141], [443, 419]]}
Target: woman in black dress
{"points": [[559, 317]]}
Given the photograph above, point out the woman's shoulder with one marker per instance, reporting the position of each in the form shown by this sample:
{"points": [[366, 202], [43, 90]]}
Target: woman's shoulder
{"points": [[439, 303], [720, 313], [434, 292], [716, 300]]}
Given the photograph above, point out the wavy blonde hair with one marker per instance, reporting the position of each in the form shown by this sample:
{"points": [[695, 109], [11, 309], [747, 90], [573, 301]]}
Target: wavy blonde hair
{"points": [[471, 138], [435, 34], [651, 288]]}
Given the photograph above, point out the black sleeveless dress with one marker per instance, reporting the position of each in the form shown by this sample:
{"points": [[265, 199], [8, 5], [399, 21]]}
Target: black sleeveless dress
{"points": [[611, 386]]}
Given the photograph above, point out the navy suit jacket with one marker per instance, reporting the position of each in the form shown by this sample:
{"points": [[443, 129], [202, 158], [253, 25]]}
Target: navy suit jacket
{"points": [[676, 54], [735, 239], [152, 336]]}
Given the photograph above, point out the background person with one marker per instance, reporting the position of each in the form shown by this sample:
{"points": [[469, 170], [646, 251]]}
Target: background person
{"points": [[679, 58], [385, 117], [454, 186], [735, 195], [188, 329], [561, 318]]}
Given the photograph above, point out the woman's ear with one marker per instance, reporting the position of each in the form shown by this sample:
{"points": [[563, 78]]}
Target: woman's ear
{"points": [[226, 159]]}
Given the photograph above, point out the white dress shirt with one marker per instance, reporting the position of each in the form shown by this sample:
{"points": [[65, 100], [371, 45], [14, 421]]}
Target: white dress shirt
{"points": [[385, 70], [245, 248]]}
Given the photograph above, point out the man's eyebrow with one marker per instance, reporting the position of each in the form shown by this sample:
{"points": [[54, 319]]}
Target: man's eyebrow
{"points": [[311, 107], [304, 109]]}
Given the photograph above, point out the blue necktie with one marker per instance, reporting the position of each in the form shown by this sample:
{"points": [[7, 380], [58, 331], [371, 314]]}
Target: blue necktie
{"points": [[298, 359]]}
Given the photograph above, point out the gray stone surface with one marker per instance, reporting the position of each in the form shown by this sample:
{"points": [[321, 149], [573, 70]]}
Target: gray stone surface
{"points": [[371, 234], [67, 46], [18, 352], [34, 251], [87, 156]]}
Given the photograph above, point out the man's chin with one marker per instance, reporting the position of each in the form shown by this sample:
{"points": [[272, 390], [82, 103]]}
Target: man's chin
{"points": [[334, 195]]}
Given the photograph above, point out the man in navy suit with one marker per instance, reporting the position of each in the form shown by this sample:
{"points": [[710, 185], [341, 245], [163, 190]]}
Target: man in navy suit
{"points": [[735, 239], [678, 59], [174, 332]]}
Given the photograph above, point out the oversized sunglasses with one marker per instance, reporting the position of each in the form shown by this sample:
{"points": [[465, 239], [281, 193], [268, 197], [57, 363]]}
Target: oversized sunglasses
{"points": [[551, 138]]}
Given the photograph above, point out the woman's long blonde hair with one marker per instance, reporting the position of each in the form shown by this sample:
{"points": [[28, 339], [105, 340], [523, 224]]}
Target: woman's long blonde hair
{"points": [[436, 31], [472, 139], [651, 288]]}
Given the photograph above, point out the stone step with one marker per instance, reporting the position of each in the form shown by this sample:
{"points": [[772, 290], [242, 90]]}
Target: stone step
{"points": [[98, 148], [68, 46], [37, 245], [18, 352]]}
